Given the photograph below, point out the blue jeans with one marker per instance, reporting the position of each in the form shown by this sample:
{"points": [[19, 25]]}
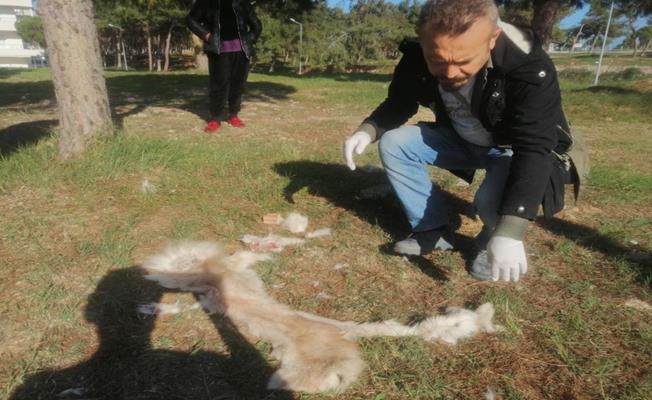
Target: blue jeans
{"points": [[405, 151]]}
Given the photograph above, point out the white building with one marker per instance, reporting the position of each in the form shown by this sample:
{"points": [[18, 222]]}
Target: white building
{"points": [[13, 52]]}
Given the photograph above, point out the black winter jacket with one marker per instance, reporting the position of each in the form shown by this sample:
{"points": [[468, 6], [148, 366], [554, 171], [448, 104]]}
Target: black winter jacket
{"points": [[517, 100], [204, 18]]}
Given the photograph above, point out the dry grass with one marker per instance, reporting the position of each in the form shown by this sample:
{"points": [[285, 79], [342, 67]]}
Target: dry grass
{"points": [[72, 236]]}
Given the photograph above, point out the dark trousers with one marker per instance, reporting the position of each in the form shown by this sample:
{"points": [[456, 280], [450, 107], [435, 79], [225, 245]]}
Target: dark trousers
{"points": [[228, 75]]}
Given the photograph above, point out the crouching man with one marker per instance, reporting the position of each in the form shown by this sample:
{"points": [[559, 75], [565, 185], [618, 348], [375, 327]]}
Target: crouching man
{"points": [[496, 99]]}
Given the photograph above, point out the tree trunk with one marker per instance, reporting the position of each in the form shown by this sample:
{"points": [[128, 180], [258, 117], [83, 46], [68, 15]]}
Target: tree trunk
{"points": [[76, 65], [595, 41], [572, 49], [544, 18], [168, 40], [149, 49], [118, 53], [124, 54], [158, 53], [647, 47], [631, 20]]}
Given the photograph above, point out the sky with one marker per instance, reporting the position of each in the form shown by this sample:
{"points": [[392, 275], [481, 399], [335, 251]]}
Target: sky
{"points": [[568, 22], [571, 20]]}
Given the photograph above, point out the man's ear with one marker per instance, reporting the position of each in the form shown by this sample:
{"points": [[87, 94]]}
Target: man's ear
{"points": [[494, 37]]}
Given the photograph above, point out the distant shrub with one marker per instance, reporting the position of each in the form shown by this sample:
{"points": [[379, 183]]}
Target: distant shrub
{"points": [[575, 74], [629, 74]]}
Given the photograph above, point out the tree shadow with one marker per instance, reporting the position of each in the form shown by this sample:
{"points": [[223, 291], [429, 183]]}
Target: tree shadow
{"points": [[129, 94], [127, 366], [185, 91], [336, 76], [610, 90], [14, 137], [342, 187], [592, 240], [9, 72], [27, 95]]}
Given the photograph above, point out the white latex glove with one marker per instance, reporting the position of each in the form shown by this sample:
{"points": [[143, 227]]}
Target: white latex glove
{"points": [[357, 142], [507, 258]]}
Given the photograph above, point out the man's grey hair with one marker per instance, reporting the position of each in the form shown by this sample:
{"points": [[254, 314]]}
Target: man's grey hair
{"points": [[454, 17]]}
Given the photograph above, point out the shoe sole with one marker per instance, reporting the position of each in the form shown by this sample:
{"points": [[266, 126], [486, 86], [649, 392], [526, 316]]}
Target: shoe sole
{"points": [[442, 245], [407, 251]]}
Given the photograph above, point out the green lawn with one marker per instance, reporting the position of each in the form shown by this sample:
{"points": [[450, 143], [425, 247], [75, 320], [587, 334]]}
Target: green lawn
{"points": [[614, 61], [72, 235]]}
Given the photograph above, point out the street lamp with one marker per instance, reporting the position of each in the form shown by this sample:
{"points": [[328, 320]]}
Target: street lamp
{"points": [[300, 40], [122, 44]]}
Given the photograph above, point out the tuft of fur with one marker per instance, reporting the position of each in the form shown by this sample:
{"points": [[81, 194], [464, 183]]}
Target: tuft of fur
{"points": [[316, 354], [271, 242], [458, 323], [295, 222]]}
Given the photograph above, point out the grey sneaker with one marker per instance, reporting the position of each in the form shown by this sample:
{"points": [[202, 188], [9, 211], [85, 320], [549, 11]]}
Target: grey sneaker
{"points": [[422, 243], [481, 269]]}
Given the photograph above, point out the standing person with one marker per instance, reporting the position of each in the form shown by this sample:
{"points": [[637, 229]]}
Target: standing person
{"points": [[229, 29], [497, 102]]}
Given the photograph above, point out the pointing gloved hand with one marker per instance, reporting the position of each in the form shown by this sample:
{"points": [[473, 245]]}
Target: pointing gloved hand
{"points": [[507, 258], [357, 142]]}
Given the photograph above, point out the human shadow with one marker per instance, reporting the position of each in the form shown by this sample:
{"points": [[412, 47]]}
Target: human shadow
{"points": [[127, 366], [342, 188], [592, 240], [14, 137]]}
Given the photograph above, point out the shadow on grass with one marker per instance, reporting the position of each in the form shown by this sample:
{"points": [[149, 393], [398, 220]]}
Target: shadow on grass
{"points": [[594, 241], [127, 366], [188, 92], [341, 187], [9, 72], [24, 134], [336, 76], [129, 94], [612, 90], [26, 95]]}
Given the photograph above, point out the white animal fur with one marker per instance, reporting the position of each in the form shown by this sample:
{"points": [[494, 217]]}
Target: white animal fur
{"points": [[295, 222], [316, 354]]}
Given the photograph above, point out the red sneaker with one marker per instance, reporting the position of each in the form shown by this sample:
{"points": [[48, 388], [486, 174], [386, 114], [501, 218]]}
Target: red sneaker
{"points": [[236, 122], [212, 126]]}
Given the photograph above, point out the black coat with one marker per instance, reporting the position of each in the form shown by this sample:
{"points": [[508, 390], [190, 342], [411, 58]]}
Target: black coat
{"points": [[204, 18], [517, 100]]}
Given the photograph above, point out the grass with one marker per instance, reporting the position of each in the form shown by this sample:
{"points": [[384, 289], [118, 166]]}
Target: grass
{"points": [[73, 234], [612, 61]]}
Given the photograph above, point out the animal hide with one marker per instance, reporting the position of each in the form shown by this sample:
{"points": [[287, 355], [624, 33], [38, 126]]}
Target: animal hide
{"points": [[316, 354]]}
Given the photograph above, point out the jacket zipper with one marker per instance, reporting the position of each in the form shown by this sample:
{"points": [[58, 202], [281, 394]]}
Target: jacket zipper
{"points": [[237, 28]]}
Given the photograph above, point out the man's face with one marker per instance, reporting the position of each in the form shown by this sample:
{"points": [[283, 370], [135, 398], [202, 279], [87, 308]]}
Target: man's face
{"points": [[455, 59]]}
